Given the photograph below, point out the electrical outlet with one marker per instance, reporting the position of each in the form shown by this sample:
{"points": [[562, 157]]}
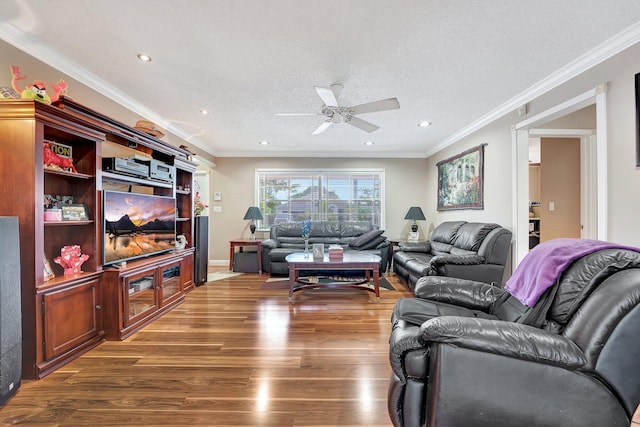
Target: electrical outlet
{"points": [[217, 208]]}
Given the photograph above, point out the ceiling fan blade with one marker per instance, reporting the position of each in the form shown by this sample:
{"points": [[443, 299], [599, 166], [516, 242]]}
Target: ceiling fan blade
{"points": [[361, 124], [327, 95], [372, 107], [324, 126], [298, 114]]}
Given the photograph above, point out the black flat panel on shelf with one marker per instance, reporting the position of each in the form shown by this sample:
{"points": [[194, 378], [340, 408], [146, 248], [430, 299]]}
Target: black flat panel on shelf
{"points": [[10, 309], [201, 243]]}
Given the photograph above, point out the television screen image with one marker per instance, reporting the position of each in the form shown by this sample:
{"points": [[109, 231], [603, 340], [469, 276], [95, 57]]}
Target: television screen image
{"points": [[137, 225]]}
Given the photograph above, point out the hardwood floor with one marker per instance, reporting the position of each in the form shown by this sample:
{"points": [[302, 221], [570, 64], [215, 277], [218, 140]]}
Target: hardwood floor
{"points": [[231, 355]]}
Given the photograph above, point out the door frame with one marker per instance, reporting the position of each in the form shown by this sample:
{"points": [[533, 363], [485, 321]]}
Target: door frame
{"points": [[594, 163], [588, 168]]}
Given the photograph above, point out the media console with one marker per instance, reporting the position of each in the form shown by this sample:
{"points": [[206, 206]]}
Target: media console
{"points": [[143, 290]]}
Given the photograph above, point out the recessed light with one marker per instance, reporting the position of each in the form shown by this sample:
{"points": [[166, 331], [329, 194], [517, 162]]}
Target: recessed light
{"points": [[204, 112], [263, 142], [144, 58], [424, 124], [369, 143]]}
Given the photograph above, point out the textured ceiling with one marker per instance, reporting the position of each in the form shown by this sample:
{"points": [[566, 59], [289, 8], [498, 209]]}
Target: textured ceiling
{"points": [[448, 62]]}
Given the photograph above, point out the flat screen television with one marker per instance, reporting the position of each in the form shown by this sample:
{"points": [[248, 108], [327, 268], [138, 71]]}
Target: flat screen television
{"points": [[137, 225]]}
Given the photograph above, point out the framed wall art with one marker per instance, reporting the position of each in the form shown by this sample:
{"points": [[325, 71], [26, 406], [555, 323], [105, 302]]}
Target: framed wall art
{"points": [[460, 180]]}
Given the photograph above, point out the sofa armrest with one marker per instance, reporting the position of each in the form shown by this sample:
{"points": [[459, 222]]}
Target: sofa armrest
{"points": [[415, 247], [440, 260], [466, 293], [404, 340], [513, 340], [270, 243]]}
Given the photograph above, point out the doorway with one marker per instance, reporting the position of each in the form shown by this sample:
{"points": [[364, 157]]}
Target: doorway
{"points": [[554, 190], [593, 177]]}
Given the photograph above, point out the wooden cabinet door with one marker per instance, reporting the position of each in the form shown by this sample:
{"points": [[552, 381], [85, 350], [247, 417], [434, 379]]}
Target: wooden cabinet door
{"points": [[187, 273], [72, 316]]}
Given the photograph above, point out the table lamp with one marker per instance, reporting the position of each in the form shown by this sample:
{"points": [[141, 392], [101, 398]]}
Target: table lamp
{"points": [[415, 214], [253, 213]]}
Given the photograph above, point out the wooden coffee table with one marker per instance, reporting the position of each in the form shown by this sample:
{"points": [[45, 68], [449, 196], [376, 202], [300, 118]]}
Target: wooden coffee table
{"points": [[352, 260]]}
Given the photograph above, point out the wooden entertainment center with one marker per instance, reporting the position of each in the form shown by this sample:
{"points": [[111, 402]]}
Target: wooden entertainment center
{"points": [[66, 315]]}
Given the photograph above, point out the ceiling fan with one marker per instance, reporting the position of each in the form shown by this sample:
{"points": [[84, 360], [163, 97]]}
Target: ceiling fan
{"points": [[335, 113]]}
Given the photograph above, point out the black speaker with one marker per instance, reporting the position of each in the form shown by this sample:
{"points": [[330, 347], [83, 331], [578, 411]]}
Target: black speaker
{"points": [[10, 309], [201, 243]]}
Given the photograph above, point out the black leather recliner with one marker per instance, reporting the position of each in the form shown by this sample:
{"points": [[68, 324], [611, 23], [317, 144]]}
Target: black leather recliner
{"points": [[466, 250], [469, 354]]}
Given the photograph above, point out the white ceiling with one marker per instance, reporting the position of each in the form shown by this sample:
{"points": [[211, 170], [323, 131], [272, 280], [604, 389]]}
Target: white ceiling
{"points": [[453, 63]]}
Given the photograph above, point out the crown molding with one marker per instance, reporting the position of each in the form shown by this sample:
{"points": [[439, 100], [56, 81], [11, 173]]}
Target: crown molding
{"points": [[601, 53], [32, 46]]}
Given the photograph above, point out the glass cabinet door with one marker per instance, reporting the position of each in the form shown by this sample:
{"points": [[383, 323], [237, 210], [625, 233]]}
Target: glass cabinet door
{"points": [[170, 287], [140, 296]]}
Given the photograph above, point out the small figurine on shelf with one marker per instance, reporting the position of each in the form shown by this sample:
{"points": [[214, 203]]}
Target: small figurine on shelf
{"points": [[71, 259], [198, 205], [181, 241], [38, 89], [52, 160]]}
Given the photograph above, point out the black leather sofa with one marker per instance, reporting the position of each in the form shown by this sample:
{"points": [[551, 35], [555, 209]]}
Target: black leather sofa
{"points": [[467, 353], [466, 250], [286, 238]]}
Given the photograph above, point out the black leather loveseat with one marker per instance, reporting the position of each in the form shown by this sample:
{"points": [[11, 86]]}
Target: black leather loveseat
{"points": [[286, 238], [471, 354], [466, 250]]}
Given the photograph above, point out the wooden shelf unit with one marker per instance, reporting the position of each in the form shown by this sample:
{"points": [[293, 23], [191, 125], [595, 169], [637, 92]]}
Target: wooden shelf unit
{"points": [[64, 317], [60, 317]]}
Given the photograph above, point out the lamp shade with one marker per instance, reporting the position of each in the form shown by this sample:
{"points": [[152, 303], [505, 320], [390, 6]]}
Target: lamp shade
{"points": [[253, 213], [415, 213]]}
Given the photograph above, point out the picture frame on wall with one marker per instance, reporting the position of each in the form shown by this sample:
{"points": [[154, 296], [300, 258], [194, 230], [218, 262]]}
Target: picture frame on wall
{"points": [[638, 120], [460, 180]]}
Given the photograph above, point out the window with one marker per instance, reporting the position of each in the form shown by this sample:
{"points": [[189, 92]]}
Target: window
{"points": [[301, 194]]}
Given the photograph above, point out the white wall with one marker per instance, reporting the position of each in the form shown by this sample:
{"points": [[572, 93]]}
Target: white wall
{"points": [[497, 176], [406, 185], [623, 176]]}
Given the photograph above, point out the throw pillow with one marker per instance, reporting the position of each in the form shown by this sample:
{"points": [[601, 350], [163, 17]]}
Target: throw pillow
{"points": [[365, 239], [373, 243]]}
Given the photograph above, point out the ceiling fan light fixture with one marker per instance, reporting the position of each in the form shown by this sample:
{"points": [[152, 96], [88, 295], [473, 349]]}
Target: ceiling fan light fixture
{"points": [[335, 113], [369, 143], [424, 124]]}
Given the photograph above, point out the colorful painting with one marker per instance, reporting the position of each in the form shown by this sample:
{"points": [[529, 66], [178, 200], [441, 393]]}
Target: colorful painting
{"points": [[460, 179]]}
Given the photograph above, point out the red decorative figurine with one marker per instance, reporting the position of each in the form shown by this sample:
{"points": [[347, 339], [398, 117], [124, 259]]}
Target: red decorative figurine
{"points": [[71, 259]]}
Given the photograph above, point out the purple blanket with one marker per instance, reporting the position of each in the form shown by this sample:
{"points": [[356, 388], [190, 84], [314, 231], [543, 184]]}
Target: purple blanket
{"points": [[542, 266]]}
